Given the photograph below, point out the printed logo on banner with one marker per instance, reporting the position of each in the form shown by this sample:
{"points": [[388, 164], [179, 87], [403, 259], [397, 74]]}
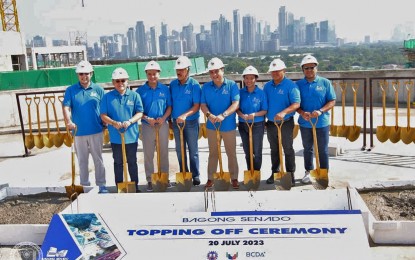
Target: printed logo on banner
{"points": [[231, 257], [212, 255], [53, 252]]}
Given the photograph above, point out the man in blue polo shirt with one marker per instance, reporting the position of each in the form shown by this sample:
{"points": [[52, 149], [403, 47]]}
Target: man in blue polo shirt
{"points": [[157, 109], [317, 98], [185, 94], [220, 100], [121, 108], [283, 100], [81, 113]]}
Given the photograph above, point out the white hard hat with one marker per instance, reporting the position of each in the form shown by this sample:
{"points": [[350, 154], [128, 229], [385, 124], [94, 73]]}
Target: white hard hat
{"points": [[309, 59], [182, 62], [152, 65], [120, 73], [276, 65], [84, 67], [250, 70], [215, 63]]}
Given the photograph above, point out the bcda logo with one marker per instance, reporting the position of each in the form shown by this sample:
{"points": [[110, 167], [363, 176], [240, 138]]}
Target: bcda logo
{"points": [[255, 254]]}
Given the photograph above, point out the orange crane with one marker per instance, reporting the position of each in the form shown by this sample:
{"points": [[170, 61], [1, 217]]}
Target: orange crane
{"points": [[9, 18]]}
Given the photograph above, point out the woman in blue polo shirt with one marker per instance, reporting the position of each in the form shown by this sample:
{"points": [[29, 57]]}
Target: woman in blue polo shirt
{"points": [[121, 108], [252, 106], [157, 109]]}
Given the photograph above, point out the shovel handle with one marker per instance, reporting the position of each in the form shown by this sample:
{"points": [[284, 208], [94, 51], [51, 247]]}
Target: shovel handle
{"points": [[251, 146], [383, 85], [36, 100], [28, 101], [355, 87], [313, 125], [408, 86], [157, 128], [343, 87], [217, 129], [181, 128], [395, 86], [280, 143]]}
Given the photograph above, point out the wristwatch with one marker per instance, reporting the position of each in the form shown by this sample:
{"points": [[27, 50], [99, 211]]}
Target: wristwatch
{"points": [[131, 121], [208, 114], [225, 114], [321, 111]]}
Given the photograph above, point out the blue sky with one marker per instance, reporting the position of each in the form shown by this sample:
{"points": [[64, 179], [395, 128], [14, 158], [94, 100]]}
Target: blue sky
{"points": [[353, 19]]}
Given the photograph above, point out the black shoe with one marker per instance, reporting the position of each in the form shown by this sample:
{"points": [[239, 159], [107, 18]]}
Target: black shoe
{"points": [[270, 180], [196, 181], [137, 191], [292, 179]]}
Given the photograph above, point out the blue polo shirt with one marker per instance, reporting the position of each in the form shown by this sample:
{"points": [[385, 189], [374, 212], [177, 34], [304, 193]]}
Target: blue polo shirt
{"points": [[252, 102], [121, 108], [185, 97], [218, 99], [314, 95], [280, 97], [84, 105], [155, 101]]}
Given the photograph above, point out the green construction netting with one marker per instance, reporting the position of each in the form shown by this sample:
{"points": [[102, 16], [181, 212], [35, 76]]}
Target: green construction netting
{"points": [[57, 77]]}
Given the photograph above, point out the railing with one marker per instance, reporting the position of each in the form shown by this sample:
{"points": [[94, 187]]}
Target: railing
{"points": [[370, 97]]}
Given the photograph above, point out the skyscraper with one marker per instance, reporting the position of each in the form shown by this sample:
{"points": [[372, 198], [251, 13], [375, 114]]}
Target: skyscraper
{"points": [[236, 31], [164, 47], [154, 44], [189, 38], [248, 36], [141, 39], [131, 42], [282, 25]]}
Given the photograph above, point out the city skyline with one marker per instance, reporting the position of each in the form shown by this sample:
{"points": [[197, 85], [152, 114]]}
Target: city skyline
{"points": [[57, 18]]}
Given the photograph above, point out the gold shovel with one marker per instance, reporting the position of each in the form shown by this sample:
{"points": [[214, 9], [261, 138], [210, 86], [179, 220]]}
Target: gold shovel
{"points": [[125, 186], [38, 138], [395, 131], [252, 177], [354, 131], [29, 139], [67, 138], [58, 137], [408, 133], [282, 178], [183, 179], [343, 130], [319, 177], [382, 132], [48, 138], [73, 190], [221, 179], [159, 179]]}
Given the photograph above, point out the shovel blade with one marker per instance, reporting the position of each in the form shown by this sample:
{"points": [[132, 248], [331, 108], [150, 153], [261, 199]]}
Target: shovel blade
{"points": [[319, 179], [252, 179], [221, 181], [184, 181], [407, 135], [295, 131], [395, 134], [73, 189], [333, 130], [29, 142], [200, 130], [160, 181], [342, 131], [354, 133], [106, 136], [204, 131], [382, 133], [282, 180], [126, 187], [39, 141]]}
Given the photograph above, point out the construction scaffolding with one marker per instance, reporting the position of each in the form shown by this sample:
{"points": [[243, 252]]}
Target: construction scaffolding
{"points": [[409, 51]]}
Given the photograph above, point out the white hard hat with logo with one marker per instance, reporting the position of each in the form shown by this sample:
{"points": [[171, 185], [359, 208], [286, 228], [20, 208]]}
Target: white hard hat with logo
{"points": [[276, 65], [215, 63], [84, 67], [182, 62], [309, 59], [152, 65], [120, 73], [250, 70]]}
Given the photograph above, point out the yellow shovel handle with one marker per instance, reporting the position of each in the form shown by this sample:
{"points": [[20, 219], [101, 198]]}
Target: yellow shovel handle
{"points": [[251, 146], [181, 128], [280, 144], [313, 125]]}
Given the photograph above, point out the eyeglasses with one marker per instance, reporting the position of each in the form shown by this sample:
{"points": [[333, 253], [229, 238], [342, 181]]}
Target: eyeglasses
{"points": [[309, 68], [120, 80], [83, 74]]}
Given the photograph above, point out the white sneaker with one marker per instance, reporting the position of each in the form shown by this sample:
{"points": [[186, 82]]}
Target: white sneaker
{"points": [[306, 178]]}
